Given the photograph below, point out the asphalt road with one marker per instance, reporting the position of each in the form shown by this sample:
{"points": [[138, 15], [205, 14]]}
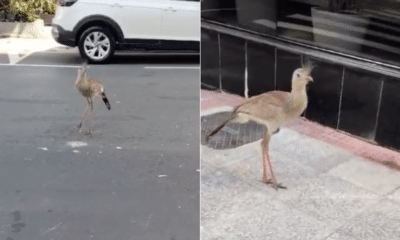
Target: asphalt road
{"points": [[138, 176]]}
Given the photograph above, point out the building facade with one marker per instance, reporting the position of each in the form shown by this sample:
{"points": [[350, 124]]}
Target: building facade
{"points": [[253, 46]]}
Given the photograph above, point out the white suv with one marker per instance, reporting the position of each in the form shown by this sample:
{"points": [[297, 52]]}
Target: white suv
{"points": [[99, 27]]}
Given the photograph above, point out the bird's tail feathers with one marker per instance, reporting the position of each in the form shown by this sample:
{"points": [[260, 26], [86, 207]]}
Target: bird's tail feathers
{"points": [[215, 131], [103, 95]]}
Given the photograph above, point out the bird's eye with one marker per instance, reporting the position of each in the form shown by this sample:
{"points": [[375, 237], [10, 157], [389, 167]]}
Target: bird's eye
{"points": [[298, 75]]}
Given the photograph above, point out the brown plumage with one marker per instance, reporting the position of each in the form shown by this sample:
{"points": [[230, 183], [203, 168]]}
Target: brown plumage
{"points": [[273, 109], [89, 88]]}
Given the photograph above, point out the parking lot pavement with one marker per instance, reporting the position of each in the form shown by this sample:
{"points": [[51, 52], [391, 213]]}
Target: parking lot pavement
{"points": [[4, 58], [13, 50], [135, 177], [331, 193], [49, 52]]}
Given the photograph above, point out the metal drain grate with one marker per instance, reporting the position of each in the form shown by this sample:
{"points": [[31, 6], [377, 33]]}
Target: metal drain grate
{"points": [[232, 135]]}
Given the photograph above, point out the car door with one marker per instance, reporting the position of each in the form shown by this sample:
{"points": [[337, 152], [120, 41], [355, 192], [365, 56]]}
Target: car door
{"points": [[181, 20], [139, 19]]}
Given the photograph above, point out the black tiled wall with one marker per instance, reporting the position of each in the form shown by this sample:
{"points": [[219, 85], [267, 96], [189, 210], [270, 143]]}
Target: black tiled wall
{"points": [[232, 63], [388, 130], [324, 93], [260, 68], [209, 58], [360, 102], [287, 62]]}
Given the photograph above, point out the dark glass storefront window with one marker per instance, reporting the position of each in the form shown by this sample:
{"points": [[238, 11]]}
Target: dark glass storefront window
{"points": [[364, 28], [255, 15]]}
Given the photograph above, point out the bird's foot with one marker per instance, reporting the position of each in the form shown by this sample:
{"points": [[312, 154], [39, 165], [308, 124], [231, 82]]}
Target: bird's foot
{"points": [[275, 185], [88, 132]]}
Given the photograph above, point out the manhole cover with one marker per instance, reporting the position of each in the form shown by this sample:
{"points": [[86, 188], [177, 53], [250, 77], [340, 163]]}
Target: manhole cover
{"points": [[232, 135]]}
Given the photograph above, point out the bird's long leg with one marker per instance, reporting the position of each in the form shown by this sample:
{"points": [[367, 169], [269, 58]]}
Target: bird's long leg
{"points": [[84, 114], [94, 119], [91, 115], [264, 167], [265, 144]]}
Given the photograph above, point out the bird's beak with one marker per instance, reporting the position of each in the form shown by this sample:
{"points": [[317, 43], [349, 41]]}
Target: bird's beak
{"points": [[310, 79]]}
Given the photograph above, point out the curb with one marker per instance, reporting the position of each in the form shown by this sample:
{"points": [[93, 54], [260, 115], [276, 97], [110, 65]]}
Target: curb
{"points": [[34, 30]]}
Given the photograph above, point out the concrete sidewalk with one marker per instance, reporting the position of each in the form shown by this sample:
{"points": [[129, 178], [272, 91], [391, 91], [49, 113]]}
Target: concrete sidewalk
{"points": [[332, 193], [19, 48]]}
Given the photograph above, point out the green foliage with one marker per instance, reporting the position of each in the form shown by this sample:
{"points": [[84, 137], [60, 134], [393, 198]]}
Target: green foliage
{"points": [[28, 10], [3, 4], [3, 16]]}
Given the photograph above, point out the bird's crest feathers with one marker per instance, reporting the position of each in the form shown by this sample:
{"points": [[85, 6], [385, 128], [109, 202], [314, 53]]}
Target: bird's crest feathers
{"points": [[307, 67]]}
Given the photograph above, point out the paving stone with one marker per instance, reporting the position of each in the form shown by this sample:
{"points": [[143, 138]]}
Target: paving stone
{"points": [[371, 176], [252, 214], [308, 151], [245, 163], [220, 158], [395, 196], [329, 199], [379, 222], [214, 179], [338, 236]]}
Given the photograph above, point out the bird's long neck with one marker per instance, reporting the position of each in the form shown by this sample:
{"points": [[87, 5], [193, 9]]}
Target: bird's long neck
{"points": [[299, 95], [82, 79], [298, 89]]}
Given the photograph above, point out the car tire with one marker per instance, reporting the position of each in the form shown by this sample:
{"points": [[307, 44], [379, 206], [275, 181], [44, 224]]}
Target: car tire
{"points": [[97, 44]]}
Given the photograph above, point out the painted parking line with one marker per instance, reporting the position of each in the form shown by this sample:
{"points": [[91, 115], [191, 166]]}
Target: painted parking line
{"points": [[78, 66], [40, 65], [172, 67]]}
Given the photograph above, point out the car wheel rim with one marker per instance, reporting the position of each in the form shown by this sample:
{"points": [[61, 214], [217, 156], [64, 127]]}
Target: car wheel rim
{"points": [[97, 45]]}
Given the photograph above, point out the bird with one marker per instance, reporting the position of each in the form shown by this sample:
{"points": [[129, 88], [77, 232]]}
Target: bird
{"points": [[273, 109], [89, 88]]}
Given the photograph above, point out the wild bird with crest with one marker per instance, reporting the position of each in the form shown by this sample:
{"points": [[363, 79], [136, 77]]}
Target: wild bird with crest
{"points": [[273, 109], [89, 88]]}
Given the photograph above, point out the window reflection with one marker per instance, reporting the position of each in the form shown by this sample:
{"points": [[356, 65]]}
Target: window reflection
{"points": [[252, 15], [365, 28]]}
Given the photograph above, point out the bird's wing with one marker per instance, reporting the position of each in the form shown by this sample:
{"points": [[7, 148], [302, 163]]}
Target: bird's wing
{"points": [[93, 81], [265, 106], [95, 85]]}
